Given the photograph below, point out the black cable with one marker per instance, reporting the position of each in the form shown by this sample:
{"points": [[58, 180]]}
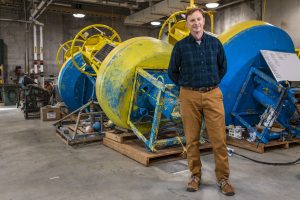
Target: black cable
{"points": [[266, 163]]}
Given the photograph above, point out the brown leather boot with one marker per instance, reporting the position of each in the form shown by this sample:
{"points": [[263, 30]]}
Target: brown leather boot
{"points": [[226, 188], [193, 184]]}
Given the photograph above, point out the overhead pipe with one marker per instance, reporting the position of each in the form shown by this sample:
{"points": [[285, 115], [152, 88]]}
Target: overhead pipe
{"points": [[37, 9], [40, 9], [34, 16], [38, 67], [15, 20], [26, 66], [34, 71], [43, 9], [41, 69], [212, 20], [41, 51], [264, 10]]}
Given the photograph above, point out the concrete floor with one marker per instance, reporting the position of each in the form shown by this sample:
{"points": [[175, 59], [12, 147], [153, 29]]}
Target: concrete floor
{"points": [[36, 164]]}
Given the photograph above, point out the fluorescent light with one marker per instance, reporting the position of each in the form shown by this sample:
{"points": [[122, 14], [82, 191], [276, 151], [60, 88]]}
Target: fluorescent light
{"points": [[155, 23], [212, 5], [78, 15]]}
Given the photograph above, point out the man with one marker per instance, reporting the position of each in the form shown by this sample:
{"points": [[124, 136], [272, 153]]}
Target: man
{"points": [[197, 65], [48, 86]]}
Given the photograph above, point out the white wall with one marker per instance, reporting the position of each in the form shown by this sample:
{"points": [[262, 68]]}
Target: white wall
{"points": [[286, 15], [228, 16]]}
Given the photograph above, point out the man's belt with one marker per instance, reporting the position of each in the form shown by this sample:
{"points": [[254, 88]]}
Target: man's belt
{"points": [[201, 89]]}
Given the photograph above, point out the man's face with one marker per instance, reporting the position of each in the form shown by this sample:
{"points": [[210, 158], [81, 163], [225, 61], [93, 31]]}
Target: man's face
{"points": [[195, 22]]}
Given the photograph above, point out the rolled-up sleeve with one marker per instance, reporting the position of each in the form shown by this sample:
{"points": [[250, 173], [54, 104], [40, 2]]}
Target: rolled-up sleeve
{"points": [[174, 65], [222, 62]]}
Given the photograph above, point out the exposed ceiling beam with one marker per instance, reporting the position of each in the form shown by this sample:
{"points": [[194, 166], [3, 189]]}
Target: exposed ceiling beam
{"points": [[120, 4], [87, 12]]}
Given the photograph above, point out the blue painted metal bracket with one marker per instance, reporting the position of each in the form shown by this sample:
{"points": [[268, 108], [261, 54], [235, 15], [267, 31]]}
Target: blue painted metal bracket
{"points": [[157, 96], [279, 106]]}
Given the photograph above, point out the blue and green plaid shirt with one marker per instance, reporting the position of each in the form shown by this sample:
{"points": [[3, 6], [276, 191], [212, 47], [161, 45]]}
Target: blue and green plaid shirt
{"points": [[194, 65]]}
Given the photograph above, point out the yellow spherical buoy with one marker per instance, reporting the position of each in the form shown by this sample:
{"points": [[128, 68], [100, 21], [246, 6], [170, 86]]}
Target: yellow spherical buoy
{"points": [[116, 76]]}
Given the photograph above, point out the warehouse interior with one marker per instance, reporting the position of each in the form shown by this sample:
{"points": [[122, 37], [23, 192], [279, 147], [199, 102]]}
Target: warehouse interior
{"points": [[87, 109]]}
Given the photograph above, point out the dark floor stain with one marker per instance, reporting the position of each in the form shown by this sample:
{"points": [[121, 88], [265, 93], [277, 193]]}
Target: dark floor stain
{"points": [[172, 167]]}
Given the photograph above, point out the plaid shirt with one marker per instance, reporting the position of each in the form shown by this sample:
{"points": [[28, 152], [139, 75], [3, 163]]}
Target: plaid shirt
{"points": [[194, 65]]}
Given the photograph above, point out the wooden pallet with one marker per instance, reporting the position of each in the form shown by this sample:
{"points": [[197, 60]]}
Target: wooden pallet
{"points": [[80, 130], [81, 138], [77, 141], [119, 135], [261, 148], [135, 149]]}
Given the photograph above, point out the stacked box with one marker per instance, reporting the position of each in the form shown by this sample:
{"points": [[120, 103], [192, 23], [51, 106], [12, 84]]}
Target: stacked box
{"points": [[50, 113]]}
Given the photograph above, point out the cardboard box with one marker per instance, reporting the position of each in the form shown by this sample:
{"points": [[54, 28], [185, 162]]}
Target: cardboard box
{"points": [[50, 113]]}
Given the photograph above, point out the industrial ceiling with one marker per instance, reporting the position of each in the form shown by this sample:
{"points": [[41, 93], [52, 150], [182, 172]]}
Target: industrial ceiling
{"points": [[133, 12]]}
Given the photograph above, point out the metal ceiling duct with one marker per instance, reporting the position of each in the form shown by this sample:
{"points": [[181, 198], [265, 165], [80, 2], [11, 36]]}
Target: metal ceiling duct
{"points": [[159, 10], [122, 4]]}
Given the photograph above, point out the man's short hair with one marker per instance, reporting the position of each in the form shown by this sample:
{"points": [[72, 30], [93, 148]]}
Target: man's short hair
{"points": [[192, 10]]}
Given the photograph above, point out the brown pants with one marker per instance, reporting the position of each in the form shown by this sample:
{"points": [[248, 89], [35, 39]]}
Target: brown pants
{"points": [[192, 105]]}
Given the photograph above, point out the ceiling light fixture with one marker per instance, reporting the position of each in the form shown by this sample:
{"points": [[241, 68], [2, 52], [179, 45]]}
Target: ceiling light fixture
{"points": [[155, 23], [79, 15], [212, 5]]}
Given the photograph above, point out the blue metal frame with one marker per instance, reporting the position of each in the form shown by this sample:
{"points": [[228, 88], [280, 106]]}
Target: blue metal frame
{"points": [[269, 94], [153, 91]]}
